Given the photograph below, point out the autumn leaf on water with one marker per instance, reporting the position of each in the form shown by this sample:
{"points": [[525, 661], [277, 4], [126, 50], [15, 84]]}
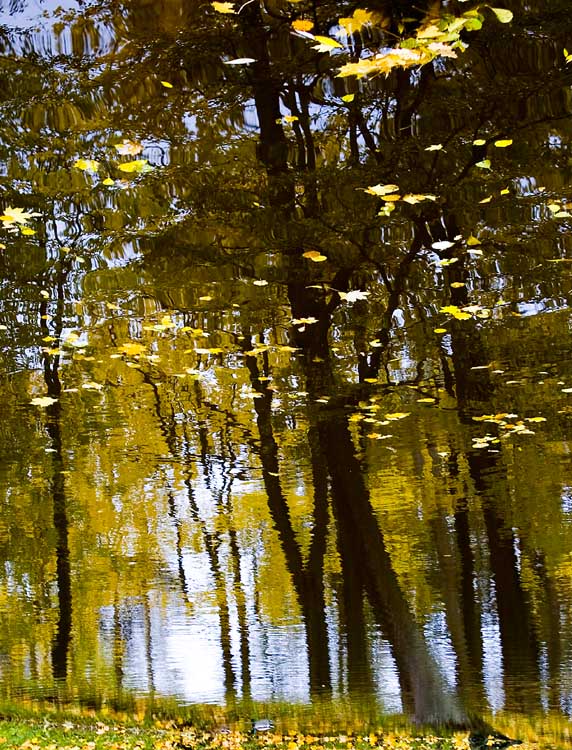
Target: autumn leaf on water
{"points": [[484, 164], [503, 143], [503, 15], [167, 84], [314, 255], [435, 147], [87, 165], [326, 44], [240, 61], [128, 148], [43, 401], [385, 62], [414, 198], [354, 295], [224, 7], [381, 189], [442, 245], [17, 215], [302, 24], [137, 166]]}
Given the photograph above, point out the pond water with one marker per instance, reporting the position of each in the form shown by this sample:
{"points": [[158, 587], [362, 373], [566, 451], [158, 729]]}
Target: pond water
{"points": [[286, 358]]}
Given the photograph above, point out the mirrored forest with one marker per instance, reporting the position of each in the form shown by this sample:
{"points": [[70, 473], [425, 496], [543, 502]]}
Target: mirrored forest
{"points": [[286, 355]]}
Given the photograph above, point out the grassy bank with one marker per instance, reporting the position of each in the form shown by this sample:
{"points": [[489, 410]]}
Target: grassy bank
{"points": [[66, 734]]}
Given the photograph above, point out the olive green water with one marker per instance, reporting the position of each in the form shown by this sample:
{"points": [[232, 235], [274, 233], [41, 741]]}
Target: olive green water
{"points": [[261, 442]]}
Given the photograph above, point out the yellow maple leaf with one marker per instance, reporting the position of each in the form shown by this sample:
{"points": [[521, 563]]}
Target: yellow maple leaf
{"points": [[360, 18], [17, 215]]}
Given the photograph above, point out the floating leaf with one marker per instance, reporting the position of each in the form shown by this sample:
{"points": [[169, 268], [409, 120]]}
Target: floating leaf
{"points": [[479, 142], [484, 164], [137, 166], [414, 198], [224, 7], [439, 330], [301, 24], [442, 245], [240, 61], [504, 15], [435, 147], [260, 282], [472, 241], [488, 199], [43, 401], [503, 143], [448, 261], [87, 165], [128, 148], [348, 98], [108, 181], [314, 255], [381, 189], [166, 84], [92, 386], [17, 215], [326, 44], [354, 295]]}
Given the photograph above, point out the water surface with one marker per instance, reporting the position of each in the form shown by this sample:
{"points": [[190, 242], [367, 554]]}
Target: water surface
{"points": [[295, 450]]}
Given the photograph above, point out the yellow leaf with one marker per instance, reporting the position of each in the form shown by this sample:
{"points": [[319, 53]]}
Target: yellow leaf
{"points": [[260, 282], [360, 18], [348, 98], [30, 231], [129, 148], [398, 415], [435, 147], [87, 165], [487, 200], [290, 118], [166, 84], [457, 284], [439, 330], [43, 401], [381, 189], [414, 198], [326, 44], [503, 143], [137, 166], [301, 24], [92, 386], [484, 164], [315, 256], [391, 198], [108, 181], [505, 191], [224, 7], [17, 216], [479, 142], [472, 241], [504, 15], [427, 400]]}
